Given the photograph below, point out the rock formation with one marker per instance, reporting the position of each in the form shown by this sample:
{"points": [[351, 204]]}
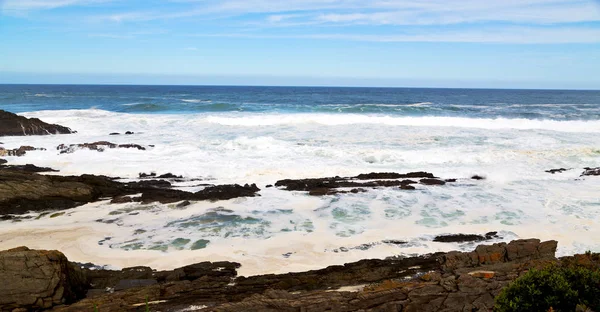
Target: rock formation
{"points": [[22, 191], [14, 125], [455, 281], [35, 279]]}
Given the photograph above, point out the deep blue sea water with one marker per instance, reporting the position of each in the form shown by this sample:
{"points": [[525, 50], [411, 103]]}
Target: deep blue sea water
{"points": [[473, 103]]}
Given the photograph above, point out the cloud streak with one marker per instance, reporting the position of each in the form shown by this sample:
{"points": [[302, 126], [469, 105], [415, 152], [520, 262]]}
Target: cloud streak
{"points": [[509, 35]]}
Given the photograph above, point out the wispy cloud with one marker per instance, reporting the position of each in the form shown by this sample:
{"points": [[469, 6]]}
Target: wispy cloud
{"points": [[29, 5], [394, 12], [513, 35]]}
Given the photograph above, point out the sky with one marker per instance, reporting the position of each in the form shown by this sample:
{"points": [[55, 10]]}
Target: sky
{"points": [[390, 43]]}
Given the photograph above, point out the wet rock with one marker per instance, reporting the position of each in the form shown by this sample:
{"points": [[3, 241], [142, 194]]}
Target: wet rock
{"points": [[115, 133], [478, 177], [15, 125], [184, 203], [461, 238], [29, 168], [38, 279], [591, 171], [268, 185], [129, 133], [332, 185], [21, 151], [560, 170], [99, 146], [2, 161], [394, 242], [393, 175], [432, 182], [22, 191]]}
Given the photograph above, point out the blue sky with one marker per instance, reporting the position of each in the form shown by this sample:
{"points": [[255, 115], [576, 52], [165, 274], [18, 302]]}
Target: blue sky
{"points": [[429, 43]]}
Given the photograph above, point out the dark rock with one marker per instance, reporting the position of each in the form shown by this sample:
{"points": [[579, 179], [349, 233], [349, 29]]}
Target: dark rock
{"points": [[478, 177], [115, 133], [553, 171], [129, 133], [38, 279], [459, 238], [99, 146], [394, 242], [133, 283], [15, 125], [169, 176], [184, 203], [393, 175], [450, 180], [331, 185], [29, 168], [122, 200], [591, 171], [425, 283], [432, 182], [143, 175], [269, 185], [21, 191], [3, 161]]}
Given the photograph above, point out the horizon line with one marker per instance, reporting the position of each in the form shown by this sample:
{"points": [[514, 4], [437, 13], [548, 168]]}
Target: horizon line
{"points": [[289, 86]]}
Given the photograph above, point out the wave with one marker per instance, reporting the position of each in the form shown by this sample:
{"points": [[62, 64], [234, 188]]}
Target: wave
{"points": [[196, 101], [424, 121]]}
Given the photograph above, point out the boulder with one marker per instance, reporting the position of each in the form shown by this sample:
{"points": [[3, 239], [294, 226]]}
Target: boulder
{"points": [[2, 161], [15, 125], [38, 279]]}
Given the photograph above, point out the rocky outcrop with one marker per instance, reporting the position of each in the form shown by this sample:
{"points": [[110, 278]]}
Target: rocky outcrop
{"points": [[559, 170], [359, 183], [591, 171], [435, 282], [461, 238], [38, 279], [99, 146], [22, 191], [18, 151], [15, 125]]}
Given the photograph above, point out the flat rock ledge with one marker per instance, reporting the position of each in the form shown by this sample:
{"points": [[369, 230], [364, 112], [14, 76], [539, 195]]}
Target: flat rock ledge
{"points": [[22, 190], [15, 125], [454, 281]]}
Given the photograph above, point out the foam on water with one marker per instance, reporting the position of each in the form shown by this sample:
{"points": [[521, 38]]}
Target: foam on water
{"points": [[289, 231]]}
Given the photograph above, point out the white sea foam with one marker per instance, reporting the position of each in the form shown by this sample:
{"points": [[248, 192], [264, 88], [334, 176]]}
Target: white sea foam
{"points": [[518, 198]]}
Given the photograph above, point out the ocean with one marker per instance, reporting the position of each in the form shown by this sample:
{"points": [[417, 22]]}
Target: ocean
{"points": [[222, 135]]}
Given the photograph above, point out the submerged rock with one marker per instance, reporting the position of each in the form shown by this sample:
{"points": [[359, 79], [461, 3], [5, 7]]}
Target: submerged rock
{"points": [[332, 185], [560, 170], [461, 238], [591, 171], [99, 146], [21, 151], [15, 125]]}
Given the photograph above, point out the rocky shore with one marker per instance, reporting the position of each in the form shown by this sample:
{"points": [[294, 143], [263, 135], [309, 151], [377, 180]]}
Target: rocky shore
{"points": [[454, 281]]}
